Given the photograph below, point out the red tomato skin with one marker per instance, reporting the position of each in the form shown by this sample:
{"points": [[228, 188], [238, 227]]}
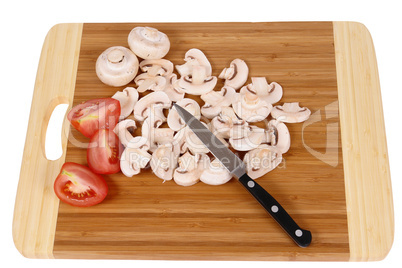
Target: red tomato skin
{"points": [[96, 182], [100, 158], [104, 114]]}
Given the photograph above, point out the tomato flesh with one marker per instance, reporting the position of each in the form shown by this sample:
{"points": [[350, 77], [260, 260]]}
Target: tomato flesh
{"points": [[90, 116], [104, 151], [78, 186]]}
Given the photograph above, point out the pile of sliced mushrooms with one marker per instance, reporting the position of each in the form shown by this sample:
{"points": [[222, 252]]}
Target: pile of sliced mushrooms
{"points": [[175, 152]]}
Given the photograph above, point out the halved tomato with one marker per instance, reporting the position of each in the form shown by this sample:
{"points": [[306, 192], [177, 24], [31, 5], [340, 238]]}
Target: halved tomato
{"points": [[104, 151], [78, 186], [90, 116]]}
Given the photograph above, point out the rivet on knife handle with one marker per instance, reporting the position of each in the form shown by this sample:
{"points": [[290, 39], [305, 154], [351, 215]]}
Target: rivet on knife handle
{"points": [[300, 236]]}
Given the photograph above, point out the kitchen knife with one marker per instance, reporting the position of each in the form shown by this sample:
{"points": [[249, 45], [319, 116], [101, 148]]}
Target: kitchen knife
{"points": [[238, 169]]}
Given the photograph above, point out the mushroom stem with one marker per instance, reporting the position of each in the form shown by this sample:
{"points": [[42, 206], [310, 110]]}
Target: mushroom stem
{"points": [[115, 56]]}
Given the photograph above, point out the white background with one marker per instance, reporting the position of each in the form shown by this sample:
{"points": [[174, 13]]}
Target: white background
{"points": [[24, 25]]}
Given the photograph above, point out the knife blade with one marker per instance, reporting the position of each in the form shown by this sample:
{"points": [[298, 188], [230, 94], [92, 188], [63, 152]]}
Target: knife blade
{"points": [[237, 168]]}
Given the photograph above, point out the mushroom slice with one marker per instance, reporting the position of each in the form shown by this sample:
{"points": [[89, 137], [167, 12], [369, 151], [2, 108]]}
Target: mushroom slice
{"points": [[279, 136], [216, 174], [194, 57], [135, 156], [271, 93], [146, 82], [236, 75], [116, 66], [194, 144], [127, 98], [164, 161], [125, 131], [224, 122], [148, 43], [215, 100], [262, 160], [157, 67], [179, 140], [197, 88], [156, 100], [291, 113], [250, 107], [245, 138], [174, 120], [190, 168], [172, 89], [156, 136]]}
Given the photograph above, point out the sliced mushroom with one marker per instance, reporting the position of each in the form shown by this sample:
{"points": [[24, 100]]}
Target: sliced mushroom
{"points": [[146, 82], [179, 140], [164, 161], [116, 66], [157, 67], [172, 89], [262, 160], [190, 168], [135, 156], [245, 138], [198, 83], [278, 135], [194, 57], [236, 75], [215, 100], [125, 131], [270, 93], [156, 136], [291, 113], [224, 122], [148, 43], [127, 98], [216, 174], [156, 100], [174, 120], [250, 107]]}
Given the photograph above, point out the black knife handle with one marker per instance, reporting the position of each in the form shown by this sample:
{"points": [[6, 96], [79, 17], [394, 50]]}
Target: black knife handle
{"points": [[300, 236]]}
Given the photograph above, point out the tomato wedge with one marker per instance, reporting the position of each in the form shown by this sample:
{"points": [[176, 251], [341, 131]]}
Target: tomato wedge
{"points": [[90, 116], [104, 151], [78, 186]]}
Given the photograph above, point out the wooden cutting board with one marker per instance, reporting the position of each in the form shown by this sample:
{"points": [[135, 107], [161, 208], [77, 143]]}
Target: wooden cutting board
{"points": [[334, 181]]}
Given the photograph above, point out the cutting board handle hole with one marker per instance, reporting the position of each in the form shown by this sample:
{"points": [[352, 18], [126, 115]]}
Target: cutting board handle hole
{"points": [[53, 144]]}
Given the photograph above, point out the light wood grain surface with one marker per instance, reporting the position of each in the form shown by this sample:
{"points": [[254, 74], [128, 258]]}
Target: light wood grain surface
{"points": [[143, 218], [366, 166], [36, 205]]}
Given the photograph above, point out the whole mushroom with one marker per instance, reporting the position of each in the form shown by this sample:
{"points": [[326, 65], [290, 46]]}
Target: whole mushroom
{"points": [[116, 66], [148, 43]]}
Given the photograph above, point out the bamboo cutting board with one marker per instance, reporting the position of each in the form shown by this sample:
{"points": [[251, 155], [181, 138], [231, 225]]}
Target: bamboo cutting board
{"points": [[334, 180]]}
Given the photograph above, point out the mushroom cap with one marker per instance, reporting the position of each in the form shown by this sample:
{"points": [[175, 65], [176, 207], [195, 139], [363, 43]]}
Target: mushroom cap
{"points": [[190, 168], [291, 113], [127, 98], [156, 100], [116, 66], [194, 57], [124, 130], [174, 120], [236, 75], [262, 160], [215, 100], [157, 67], [215, 174], [148, 43], [250, 107], [164, 161]]}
